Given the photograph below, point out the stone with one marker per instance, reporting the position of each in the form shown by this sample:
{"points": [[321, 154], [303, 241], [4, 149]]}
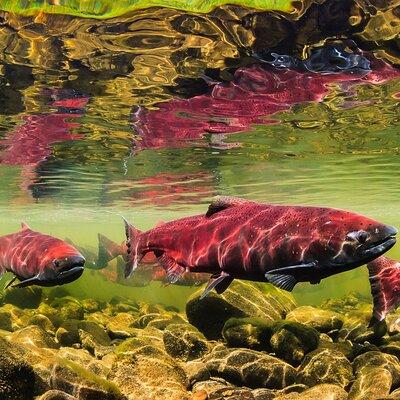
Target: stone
{"points": [[184, 341], [34, 335], [67, 308], [264, 394], [291, 341], [158, 320], [196, 371], [56, 395], [17, 379], [250, 368], [252, 333], [67, 334], [229, 393], [42, 321], [119, 326], [27, 297], [325, 366], [6, 321], [241, 299], [92, 305], [371, 383], [320, 392], [147, 372], [377, 359], [323, 321]]}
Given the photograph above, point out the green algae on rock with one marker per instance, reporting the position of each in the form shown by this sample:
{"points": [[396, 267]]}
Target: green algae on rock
{"points": [[241, 299], [108, 9]]}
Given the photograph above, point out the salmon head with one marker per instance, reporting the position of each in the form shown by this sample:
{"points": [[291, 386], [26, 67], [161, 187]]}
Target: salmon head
{"points": [[44, 260], [340, 240]]}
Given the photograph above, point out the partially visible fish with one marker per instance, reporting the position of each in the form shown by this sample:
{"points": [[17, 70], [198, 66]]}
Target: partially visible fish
{"points": [[384, 278], [38, 259], [108, 250]]}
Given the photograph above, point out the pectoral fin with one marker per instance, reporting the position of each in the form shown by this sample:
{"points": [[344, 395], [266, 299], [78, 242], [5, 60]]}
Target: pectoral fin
{"points": [[219, 282], [285, 278], [172, 268], [10, 282], [282, 281]]}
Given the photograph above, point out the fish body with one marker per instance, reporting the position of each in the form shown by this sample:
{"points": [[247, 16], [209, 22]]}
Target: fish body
{"points": [[279, 244], [384, 278], [38, 259]]}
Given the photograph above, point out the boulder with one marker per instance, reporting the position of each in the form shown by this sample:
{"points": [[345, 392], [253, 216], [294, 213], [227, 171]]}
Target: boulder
{"points": [[320, 392], [34, 335], [56, 395], [250, 368], [184, 341], [241, 299], [371, 383], [322, 320], [325, 365]]}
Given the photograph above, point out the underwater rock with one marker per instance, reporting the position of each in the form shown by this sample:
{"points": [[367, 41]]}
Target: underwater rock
{"points": [[141, 338], [158, 320], [17, 379], [249, 368], [392, 348], [56, 395], [92, 336], [252, 333], [67, 334], [42, 321], [393, 324], [67, 308], [375, 359], [119, 326], [231, 393], [146, 372], [291, 341], [321, 392], [264, 394], [325, 366], [6, 321], [27, 297], [371, 383], [323, 321], [92, 305], [184, 341], [34, 335], [202, 390], [196, 371], [241, 299]]}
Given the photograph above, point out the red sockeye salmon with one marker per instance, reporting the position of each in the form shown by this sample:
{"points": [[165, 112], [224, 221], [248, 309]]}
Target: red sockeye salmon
{"points": [[278, 244], [38, 259]]}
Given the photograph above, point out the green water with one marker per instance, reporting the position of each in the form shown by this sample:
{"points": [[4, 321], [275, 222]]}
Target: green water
{"points": [[340, 152]]}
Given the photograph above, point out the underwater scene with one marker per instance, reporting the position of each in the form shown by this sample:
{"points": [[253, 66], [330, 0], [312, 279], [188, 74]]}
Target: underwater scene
{"points": [[199, 199]]}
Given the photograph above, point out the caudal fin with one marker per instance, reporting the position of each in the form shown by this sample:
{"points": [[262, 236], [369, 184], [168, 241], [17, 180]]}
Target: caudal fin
{"points": [[133, 248], [384, 278], [108, 250]]}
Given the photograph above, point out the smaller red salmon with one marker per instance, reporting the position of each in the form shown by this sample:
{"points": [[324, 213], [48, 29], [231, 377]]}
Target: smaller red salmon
{"points": [[38, 259]]}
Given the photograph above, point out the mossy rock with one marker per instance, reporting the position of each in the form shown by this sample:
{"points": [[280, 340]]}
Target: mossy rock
{"points": [[56, 395], [241, 299], [28, 297], [249, 368], [184, 341], [323, 321], [252, 333], [325, 366], [376, 359], [17, 379], [34, 335], [371, 383], [291, 341]]}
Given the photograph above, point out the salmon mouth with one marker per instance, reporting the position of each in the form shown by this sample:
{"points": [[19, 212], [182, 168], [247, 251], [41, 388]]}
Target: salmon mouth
{"points": [[378, 248]]}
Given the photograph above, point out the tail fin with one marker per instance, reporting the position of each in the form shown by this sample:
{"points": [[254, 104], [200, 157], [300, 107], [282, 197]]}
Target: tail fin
{"points": [[384, 278], [108, 250], [134, 252]]}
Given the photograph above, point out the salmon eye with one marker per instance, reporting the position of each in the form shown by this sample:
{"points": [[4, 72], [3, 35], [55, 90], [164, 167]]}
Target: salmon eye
{"points": [[362, 236], [56, 263]]}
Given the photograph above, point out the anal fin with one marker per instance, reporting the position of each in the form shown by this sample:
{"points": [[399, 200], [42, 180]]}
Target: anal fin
{"points": [[282, 281], [219, 282], [172, 268]]}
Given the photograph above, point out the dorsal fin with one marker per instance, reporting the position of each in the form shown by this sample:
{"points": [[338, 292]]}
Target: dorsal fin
{"points": [[24, 226], [223, 202]]}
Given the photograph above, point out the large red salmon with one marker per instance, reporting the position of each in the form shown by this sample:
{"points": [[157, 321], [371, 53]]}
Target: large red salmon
{"points": [[279, 244], [38, 259]]}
